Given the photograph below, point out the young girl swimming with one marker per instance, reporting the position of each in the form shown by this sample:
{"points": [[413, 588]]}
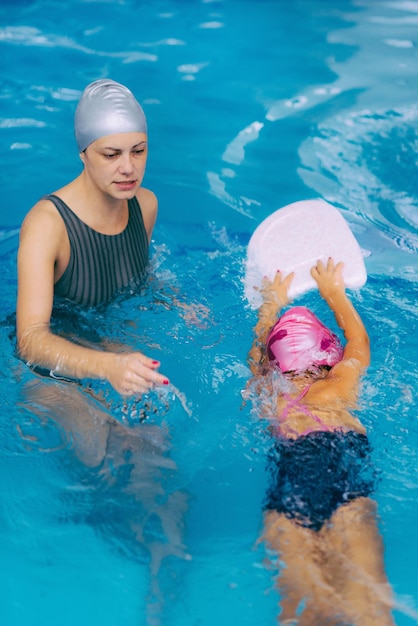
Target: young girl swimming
{"points": [[319, 517]]}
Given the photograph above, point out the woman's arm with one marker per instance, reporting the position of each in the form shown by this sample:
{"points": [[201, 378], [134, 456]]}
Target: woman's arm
{"points": [[275, 297], [41, 240]]}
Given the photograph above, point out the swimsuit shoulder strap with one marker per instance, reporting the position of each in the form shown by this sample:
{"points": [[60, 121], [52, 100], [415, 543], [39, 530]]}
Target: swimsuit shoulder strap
{"points": [[62, 208], [296, 403], [304, 392]]}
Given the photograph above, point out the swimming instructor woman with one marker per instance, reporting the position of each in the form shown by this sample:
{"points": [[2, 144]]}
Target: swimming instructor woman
{"points": [[88, 240]]}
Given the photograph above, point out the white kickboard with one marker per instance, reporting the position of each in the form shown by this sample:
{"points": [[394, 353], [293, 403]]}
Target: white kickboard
{"points": [[293, 239]]}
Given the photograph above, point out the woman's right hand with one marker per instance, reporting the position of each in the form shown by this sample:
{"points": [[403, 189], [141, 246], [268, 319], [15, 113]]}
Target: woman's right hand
{"points": [[132, 373]]}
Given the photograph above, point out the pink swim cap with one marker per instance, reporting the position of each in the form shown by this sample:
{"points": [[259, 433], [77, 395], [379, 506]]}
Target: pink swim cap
{"points": [[299, 340]]}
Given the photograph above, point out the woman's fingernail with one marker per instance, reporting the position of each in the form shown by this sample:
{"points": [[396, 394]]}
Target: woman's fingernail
{"points": [[166, 382], [155, 362]]}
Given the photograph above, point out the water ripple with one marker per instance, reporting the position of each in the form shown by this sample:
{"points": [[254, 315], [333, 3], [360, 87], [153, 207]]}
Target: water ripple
{"points": [[367, 161], [30, 36]]}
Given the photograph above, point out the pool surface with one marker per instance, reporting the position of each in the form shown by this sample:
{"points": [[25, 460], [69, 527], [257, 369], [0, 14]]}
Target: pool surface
{"points": [[251, 105]]}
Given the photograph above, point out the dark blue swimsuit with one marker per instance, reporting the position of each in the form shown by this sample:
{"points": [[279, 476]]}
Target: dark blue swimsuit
{"points": [[100, 265], [313, 475]]}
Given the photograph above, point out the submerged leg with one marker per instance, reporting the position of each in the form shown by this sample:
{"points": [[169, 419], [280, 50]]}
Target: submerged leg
{"points": [[71, 419], [156, 508], [307, 595], [354, 550], [129, 477]]}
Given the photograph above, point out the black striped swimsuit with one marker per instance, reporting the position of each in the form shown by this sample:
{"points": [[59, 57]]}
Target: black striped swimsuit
{"points": [[100, 265]]}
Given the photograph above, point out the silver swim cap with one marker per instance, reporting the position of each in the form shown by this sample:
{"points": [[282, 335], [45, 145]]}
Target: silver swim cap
{"points": [[107, 108]]}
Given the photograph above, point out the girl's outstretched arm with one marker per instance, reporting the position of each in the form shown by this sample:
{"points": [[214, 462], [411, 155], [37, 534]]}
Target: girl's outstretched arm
{"points": [[331, 287], [275, 297]]}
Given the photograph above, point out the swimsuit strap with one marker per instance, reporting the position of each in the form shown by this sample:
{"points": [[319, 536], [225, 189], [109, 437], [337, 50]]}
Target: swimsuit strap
{"points": [[296, 402], [304, 392], [292, 402]]}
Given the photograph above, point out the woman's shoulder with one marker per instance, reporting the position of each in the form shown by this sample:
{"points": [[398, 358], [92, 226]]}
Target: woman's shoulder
{"points": [[45, 205], [42, 233], [149, 208], [146, 198], [43, 214]]}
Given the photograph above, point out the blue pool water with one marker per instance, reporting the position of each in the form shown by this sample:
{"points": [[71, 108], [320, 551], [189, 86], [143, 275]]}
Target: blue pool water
{"points": [[251, 105]]}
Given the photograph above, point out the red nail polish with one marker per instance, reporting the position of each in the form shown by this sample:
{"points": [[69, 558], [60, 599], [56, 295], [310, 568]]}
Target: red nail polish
{"points": [[155, 362], [166, 382]]}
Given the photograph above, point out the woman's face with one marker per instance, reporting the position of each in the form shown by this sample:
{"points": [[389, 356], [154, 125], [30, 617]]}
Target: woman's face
{"points": [[116, 163]]}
